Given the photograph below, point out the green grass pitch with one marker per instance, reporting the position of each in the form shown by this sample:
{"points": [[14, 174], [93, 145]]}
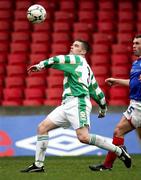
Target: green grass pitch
{"points": [[68, 168]]}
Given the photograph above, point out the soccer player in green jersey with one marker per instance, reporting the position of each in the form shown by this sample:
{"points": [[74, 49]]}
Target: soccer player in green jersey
{"points": [[79, 85]]}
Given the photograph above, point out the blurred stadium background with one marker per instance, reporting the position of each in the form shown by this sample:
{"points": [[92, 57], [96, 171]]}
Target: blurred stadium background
{"points": [[108, 25]]}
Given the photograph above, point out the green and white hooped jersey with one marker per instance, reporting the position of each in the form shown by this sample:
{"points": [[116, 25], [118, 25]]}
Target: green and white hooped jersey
{"points": [[79, 79]]}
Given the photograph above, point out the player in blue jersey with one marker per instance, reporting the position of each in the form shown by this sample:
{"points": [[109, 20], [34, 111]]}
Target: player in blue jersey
{"points": [[132, 116], [79, 85]]}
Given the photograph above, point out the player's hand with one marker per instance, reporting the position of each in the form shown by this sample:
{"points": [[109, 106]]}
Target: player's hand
{"points": [[33, 68], [110, 81], [102, 112]]}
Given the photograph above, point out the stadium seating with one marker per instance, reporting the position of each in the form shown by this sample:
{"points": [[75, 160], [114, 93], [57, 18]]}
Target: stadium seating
{"points": [[35, 82], [6, 5], [12, 96], [109, 26], [61, 37], [13, 82], [16, 70], [87, 6], [34, 94], [17, 59]]}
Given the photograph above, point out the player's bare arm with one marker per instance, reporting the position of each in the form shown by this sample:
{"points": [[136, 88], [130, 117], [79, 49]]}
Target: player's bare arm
{"points": [[114, 81]]}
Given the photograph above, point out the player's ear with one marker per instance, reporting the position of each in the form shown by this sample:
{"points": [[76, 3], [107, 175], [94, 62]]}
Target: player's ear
{"points": [[84, 51]]}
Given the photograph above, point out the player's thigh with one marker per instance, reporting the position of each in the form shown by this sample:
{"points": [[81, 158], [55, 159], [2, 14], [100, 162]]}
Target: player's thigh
{"points": [[58, 117], [123, 127]]}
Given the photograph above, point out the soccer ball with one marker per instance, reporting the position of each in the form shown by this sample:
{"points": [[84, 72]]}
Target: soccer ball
{"points": [[36, 13]]}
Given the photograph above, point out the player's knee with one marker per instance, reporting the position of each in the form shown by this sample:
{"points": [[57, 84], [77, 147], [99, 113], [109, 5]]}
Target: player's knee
{"points": [[41, 129], [117, 131]]}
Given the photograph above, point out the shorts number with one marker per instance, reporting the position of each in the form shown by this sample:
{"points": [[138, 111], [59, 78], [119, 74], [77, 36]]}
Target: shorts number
{"points": [[130, 109]]}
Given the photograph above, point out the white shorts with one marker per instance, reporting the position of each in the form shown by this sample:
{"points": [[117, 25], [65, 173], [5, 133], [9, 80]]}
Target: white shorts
{"points": [[133, 113], [74, 112]]}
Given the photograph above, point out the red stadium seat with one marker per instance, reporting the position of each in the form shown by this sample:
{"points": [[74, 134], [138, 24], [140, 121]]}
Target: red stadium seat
{"points": [[119, 49], [5, 25], [100, 70], [83, 27], [1, 83], [15, 94], [19, 47], [12, 103], [6, 4], [16, 70], [100, 59], [20, 14], [106, 5], [106, 16], [54, 81], [52, 102], [59, 48], [118, 102], [21, 5], [13, 82], [34, 94], [139, 27], [86, 16], [124, 27], [63, 16], [36, 58], [67, 6], [54, 93], [103, 38], [81, 35], [101, 81], [41, 37], [100, 49], [3, 59], [125, 38], [43, 27], [23, 25], [32, 102], [120, 71], [125, 6], [62, 27], [125, 16], [4, 37], [120, 59], [17, 59], [106, 27], [5, 15], [20, 36], [87, 6], [60, 37], [40, 47], [2, 71], [119, 93], [4, 47], [35, 82]]}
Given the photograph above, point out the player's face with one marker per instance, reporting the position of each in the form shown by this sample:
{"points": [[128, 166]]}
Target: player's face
{"points": [[137, 46], [77, 48]]}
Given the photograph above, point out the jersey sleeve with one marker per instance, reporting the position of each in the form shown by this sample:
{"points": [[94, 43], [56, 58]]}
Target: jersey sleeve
{"points": [[61, 62], [96, 93]]}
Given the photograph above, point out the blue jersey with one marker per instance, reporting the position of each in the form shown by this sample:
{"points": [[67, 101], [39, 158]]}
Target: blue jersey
{"points": [[135, 83]]}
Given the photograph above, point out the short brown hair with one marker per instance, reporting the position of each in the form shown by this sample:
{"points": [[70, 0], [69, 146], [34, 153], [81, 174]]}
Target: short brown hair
{"points": [[138, 36], [85, 45]]}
